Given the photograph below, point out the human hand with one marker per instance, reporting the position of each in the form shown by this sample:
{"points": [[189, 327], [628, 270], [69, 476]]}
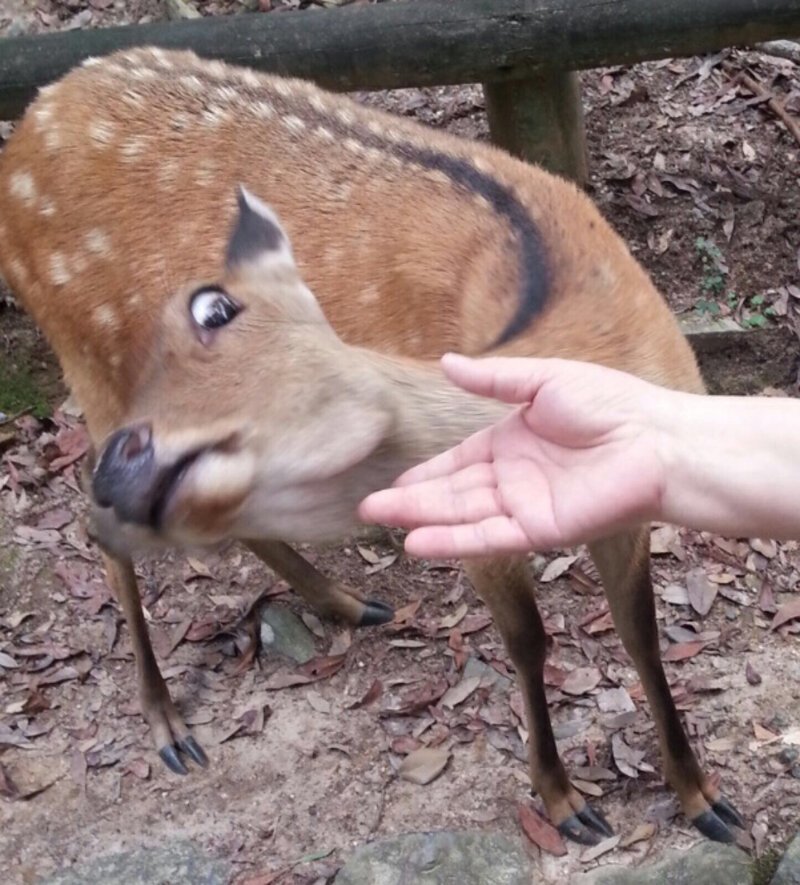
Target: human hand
{"points": [[579, 459]]}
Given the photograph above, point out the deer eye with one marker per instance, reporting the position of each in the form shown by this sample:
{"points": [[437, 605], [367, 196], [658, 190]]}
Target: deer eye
{"points": [[212, 308]]}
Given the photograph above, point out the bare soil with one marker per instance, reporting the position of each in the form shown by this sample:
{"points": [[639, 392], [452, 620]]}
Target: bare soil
{"points": [[679, 153]]}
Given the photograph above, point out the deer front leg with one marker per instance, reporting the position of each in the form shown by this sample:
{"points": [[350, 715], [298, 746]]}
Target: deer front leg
{"points": [[168, 729], [507, 588], [329, 598], [624, 565]]}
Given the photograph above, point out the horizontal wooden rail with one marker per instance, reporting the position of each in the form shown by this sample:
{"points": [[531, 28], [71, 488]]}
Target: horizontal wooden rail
{"points": [[419, 42]]}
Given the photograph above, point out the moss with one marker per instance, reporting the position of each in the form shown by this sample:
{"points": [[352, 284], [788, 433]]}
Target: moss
{"points": [[764, 867], [19, 391]]}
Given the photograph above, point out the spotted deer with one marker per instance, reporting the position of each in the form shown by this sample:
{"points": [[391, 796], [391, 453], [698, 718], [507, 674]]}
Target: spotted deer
{"points": [[247, 282]]}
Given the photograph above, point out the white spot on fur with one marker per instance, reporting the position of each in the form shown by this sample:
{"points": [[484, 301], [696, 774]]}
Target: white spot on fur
{"points": [[375, 127], [214, 116], [168, 174], [22, 186], [105, 316], [115, 70], [369, 294], [263, 109], [79, 263], [101, 132], [116, 359], [353, 146], [17, 268], [481, 165], [216, 70], [225, 93], [160, 58], [294, 124], [43, 114], [437, 175], [194, 84], [324, 134], [59, 275], [373, 155], [481, 201], [49, 92], [47, 207], [282, 88], [91, 62], [97, 242], [142, 73], [52, 137], [134, 147], [205, 175], [346, 116], [318, 103], [249, 78], [180, 121], [133, 98]]}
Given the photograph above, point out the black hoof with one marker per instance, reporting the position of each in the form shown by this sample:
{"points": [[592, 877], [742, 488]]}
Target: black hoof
{"points": [[595, 821], [375, 613], [575, 830], [712, 827], [193, 750], [726, 812], [170, 758]]}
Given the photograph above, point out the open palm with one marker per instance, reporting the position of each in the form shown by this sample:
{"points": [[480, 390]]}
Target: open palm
{"points": [[572, 463]]}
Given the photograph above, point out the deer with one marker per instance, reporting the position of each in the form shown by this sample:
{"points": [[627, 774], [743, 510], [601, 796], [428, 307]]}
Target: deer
{"points": [[248, 281]]}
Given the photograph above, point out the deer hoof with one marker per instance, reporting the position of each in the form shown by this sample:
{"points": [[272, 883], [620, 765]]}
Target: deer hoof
{"points": [[713, 827], [586, 827], [170, 758], [193, 750], [376, 612]]}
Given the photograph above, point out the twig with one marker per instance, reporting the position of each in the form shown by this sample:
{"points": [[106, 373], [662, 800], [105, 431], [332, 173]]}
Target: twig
{"points": [[760, 90], [781, 49]]}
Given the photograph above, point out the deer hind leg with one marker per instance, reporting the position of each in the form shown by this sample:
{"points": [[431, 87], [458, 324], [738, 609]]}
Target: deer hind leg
{"points": [[624, 565], [329, 598], [508, 589]]}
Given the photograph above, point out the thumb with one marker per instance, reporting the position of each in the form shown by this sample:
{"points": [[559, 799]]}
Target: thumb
{"points": [[508, 379]]}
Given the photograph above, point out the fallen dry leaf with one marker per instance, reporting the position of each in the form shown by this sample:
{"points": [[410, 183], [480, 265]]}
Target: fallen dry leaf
{"points": [[601, 848], [540, 831], [581, 680], [556, 568], [701, 591], [424, 765], [787, 612], [450, 621], [371, 695], [642, 833], [752, 676], [675, 594], [460, 692], [681, 651]]}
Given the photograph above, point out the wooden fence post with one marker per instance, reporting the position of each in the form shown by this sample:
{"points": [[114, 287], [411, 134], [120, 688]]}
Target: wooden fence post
{"points": [[540, 119]]}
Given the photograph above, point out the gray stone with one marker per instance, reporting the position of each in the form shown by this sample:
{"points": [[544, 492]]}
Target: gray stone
{"points": [[442, 858], [488, 675], [282, 631], [182, 863], [788, 872], [706, 863]]}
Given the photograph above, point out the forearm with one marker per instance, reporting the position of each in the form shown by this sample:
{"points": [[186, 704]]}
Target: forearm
{"points": [[732, 465]]}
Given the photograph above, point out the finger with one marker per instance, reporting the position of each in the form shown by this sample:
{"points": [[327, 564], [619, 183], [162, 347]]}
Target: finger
{"points": [[508, 379], [447, 501], [498, 534], [475, 450]]}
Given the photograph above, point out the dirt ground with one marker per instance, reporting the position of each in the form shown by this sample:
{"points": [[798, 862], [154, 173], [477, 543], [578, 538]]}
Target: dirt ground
{"points": [[701, 180]]}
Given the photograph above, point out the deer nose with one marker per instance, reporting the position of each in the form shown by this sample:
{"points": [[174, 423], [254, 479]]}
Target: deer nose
{"points": [[125, 474]]}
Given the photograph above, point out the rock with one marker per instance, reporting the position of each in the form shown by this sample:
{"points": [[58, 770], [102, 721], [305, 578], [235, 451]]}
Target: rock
{"points": [[441, 858], [788, 872], [180, 9], [182, 863], [706, 863], [282, 631], [488, 675]]}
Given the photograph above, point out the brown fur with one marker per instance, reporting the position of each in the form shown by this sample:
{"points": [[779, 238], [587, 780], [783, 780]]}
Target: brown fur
{"points": [[118, 191]]}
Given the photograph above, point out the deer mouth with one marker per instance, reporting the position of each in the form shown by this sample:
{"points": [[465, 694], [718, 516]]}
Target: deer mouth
{"points": [[167, 485]]}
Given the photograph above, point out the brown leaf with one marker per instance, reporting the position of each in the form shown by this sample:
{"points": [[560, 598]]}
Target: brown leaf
{"points": [[200, 569], [455, 643], [540, 831], [681, 651], [601, 848], [581, 680], [556, 568], [642, 833], [285, 679], [450, 621], [587, 787], [178, 635], [702, 592], [372, 694], [766, 598], [787, 612], [762, 734], [460, 692], [627, 759], [675, 594], [405, 744], [368, 555], [139, 768], [424, 765], [322, 667], [405, 615], [474, 623], [600, 624], [420, 698], [55, 519], [766, 547]]}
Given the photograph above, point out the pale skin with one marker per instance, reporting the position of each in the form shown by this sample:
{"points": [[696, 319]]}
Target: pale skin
{"points": [[588, 451]]}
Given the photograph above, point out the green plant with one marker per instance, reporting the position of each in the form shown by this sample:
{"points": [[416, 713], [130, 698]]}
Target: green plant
{"points": [[715, 270]]}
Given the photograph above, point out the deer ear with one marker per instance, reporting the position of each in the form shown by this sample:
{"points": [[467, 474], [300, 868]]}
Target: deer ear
{"points": [[258, 240]]}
